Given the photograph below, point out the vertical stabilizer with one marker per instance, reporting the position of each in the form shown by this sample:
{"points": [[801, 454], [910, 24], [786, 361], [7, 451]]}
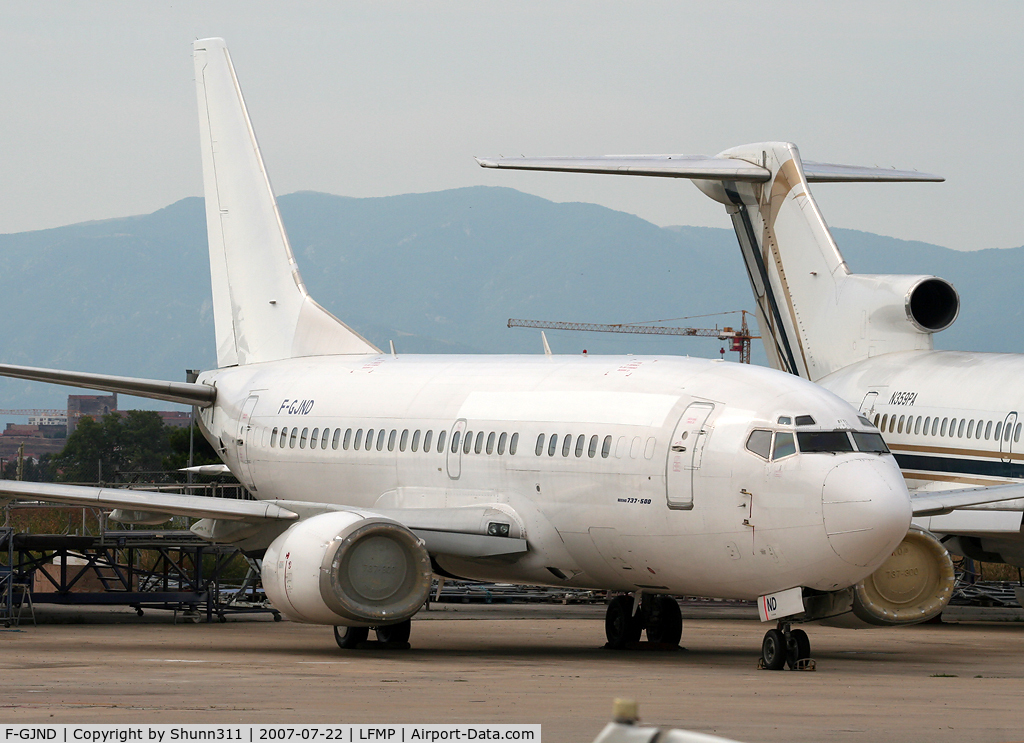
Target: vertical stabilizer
{"points": [[814, 315], [262, 311]]}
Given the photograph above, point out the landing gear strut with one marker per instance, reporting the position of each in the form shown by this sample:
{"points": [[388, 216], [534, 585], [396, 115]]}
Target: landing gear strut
{"points": [[786, 646]]}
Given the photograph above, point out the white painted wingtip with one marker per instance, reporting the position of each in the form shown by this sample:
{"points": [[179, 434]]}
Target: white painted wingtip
{"points": [[544, 340]]}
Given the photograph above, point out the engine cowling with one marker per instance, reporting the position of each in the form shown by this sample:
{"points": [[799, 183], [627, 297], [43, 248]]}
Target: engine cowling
{"points": [[341, 568], [914, 585]]}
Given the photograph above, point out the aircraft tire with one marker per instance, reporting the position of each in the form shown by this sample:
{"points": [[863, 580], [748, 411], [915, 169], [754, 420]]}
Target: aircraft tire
{"points": [[395, 633], [773, 650], [663, 620], [349, 638], [803, 647], [621, 626]]}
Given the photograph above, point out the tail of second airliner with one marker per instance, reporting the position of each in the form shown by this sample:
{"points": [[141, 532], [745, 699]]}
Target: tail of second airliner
{"points": [[262, 311], [814, 315]]}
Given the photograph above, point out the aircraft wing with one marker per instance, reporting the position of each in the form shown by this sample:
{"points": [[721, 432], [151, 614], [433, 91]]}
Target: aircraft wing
{"points": [[947, 501], [186, 393], [199, 506], [700, 167]]}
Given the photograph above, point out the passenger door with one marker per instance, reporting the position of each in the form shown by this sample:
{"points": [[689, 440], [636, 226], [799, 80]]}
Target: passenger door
{"points": [[454, 449], [684, 455], [245, 443], [1006, 437]]}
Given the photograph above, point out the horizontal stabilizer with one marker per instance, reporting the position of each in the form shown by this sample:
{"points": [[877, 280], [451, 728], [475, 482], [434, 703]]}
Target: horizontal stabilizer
{"points": [[701, 167], [666, 166], [198, 506], [946, 501], [185, 393]]}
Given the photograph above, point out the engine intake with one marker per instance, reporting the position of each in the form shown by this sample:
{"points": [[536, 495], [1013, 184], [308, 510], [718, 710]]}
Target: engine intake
{"points": [[345, 569], [914, 585], [932, 304]]}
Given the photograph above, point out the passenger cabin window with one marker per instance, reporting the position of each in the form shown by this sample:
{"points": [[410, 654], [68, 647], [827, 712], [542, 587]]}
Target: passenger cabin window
{"points": [[760, 443], [314, 438], [293, 438], [960, 430], [917, 426], [540, 444], [455, 442], [501, 443], [924, 428], [467, 442], [359, 439], [404, 441], [606, 447], [391, 440], [970, 429], [876, 420], [885, 420], [284, 437], [416, 441], [479, 445], [892, 424], [346, 440], [552, 444], [513, 444], [566, 444], [988, 430], [273, 437], [490, 442], [592, 450], [581, 442], [440, 439], [323, 438], [784, 445], [824, 442], [380, 439]]}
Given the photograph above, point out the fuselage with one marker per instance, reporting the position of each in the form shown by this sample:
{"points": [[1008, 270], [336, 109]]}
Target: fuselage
{"points": [[953, 420], [623, 472]]}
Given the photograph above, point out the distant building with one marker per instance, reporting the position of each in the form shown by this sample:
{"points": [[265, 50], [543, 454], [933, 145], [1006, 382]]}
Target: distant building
{"points": [[48, 420], [89, 406]]}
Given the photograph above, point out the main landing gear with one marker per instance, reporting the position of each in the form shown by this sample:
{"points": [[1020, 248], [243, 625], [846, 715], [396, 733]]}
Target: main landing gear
{"points": [[391, 636], [786, 646], [657, 615]]}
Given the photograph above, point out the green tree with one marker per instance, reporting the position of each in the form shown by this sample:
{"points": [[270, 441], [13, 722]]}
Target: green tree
{"points": [[202, 453], [115, 446]]}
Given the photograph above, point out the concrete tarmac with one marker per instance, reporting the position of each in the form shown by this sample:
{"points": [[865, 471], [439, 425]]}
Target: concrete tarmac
{"points": [[522, 664]]}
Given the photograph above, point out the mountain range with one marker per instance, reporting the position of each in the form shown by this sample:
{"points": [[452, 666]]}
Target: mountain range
{"points": [[436, 273]]}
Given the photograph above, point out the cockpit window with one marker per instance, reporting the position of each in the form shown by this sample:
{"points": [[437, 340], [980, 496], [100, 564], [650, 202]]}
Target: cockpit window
{"points": [[805, 420], [785, 420], [760, 442], [865, 421], [824, 441], [784, 445], [870, 442]]}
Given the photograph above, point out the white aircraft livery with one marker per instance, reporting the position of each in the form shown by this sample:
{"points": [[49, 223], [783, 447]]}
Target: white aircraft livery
{"points": [[952, 419], [651, 477]]}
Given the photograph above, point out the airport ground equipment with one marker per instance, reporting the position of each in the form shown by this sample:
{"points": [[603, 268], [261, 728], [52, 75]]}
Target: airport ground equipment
{"points": [[739, 339], [625, 727], [169, 570]]}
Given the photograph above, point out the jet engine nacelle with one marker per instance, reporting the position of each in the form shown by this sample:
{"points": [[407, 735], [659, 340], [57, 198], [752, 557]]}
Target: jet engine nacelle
{"points": [[342, 568], [914, 585], [927, 303]]}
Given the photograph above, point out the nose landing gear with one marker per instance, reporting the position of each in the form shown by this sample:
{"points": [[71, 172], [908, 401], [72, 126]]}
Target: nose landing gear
{"points": [[786, 646]]}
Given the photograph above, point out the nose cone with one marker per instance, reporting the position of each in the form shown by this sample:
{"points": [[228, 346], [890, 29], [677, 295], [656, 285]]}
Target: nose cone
{"points": [[866, 510]]}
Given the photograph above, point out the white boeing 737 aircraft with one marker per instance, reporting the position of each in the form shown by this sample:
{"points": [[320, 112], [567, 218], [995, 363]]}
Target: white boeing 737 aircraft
{"points": [[952, 419], [648, 476]]}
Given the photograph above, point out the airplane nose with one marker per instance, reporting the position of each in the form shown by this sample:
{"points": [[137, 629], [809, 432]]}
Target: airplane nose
{"points": [[866, 510]]}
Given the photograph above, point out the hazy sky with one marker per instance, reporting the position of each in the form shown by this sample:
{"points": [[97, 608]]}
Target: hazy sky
{"points": [[369, 99]]}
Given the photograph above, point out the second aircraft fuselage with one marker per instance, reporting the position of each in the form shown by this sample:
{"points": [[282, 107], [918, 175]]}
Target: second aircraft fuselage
{"points": [[623, 473]]}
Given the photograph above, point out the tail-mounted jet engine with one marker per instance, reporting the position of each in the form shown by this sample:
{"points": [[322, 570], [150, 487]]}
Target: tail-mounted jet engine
{"points": [[914, 585], [341, 568], [929, 304]]}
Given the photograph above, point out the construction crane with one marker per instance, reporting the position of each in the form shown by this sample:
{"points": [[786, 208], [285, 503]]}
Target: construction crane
{"points": [[740, 339], [41, 412]]}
